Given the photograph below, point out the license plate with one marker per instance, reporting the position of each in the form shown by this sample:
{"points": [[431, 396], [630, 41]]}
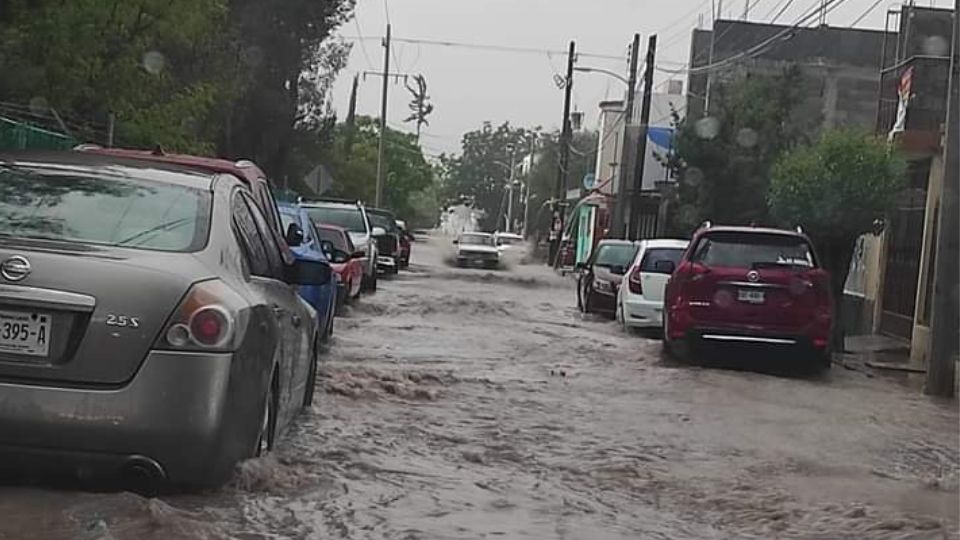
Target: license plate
{"points": [[24, 332], [750, 297]]}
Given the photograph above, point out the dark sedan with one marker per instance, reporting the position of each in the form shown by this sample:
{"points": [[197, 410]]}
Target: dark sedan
{"points": [[148, 322], [601, 275]]}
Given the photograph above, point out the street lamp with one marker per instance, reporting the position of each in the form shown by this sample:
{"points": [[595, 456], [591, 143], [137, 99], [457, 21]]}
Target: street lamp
{"points": [[607, 72]]}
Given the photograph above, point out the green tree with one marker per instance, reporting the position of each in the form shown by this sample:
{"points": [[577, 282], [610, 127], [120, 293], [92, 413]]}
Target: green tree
{"points": [[724, 159], [409, 178], [154, 64], [836, 188], [543, 174]]}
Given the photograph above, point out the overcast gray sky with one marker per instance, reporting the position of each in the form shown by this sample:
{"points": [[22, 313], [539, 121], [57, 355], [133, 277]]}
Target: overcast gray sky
{"points": [[469, 86]]}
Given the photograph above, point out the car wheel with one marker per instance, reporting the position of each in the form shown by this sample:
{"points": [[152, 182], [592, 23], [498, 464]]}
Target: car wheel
{"points": [[312, 377], [268, 423]]}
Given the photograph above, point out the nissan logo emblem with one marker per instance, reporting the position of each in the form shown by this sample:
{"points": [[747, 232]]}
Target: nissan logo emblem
{"points": [[15, 268], [753, 276]]}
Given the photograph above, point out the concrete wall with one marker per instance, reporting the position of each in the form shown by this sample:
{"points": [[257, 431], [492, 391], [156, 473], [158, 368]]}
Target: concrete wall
{"points": [[608, 146], [840, 66], [920, 340]]}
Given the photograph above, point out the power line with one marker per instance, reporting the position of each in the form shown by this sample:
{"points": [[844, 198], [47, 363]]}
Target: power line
{"points": [[363, 47], [487, 47], [761, 47], [781, 12], [867, 12]]}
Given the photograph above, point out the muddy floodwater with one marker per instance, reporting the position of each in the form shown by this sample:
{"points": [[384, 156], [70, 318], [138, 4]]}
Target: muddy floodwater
{"points": [[460, 404]]}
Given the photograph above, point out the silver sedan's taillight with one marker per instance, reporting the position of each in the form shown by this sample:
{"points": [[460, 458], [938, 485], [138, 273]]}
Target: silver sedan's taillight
{"points": [[211, 317]]}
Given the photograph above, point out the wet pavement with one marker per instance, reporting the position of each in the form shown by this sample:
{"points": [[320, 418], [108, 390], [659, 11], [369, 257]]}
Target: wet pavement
{"points": [[477, 404]]}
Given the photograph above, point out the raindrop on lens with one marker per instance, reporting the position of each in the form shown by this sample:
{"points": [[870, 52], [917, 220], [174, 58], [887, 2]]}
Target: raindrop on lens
{"points": [[936, 46], [693, 176], [154, 62], [747, 138], [39, 105], [252, 56], [707, 127]]}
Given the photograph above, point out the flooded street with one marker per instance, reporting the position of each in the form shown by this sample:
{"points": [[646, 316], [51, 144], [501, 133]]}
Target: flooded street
{"points": [[475, 404]]}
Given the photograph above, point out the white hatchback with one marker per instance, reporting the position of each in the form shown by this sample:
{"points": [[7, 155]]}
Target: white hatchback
{"points": [[640, 296]]}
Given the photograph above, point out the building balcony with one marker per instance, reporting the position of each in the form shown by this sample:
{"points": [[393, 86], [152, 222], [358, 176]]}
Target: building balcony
{"points": [[927, 108]]}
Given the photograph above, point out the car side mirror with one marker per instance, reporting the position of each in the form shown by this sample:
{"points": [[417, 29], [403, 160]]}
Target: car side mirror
{"points": [[665, 267], [618, 270], [304, 272], [378, 231], [294, 236], [327, 247], [359, 254]]}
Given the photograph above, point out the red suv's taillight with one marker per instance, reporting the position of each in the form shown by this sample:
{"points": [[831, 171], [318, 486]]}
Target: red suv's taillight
{"points": [[633, 281], [210, 317]]}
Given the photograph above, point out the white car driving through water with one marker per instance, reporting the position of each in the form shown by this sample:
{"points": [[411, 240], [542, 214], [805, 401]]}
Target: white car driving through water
{"points": [[640, 296], [477, 249]]}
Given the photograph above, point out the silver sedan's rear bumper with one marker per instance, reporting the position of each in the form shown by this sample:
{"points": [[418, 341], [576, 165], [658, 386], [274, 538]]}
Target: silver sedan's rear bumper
{"points": [[173, 412]]}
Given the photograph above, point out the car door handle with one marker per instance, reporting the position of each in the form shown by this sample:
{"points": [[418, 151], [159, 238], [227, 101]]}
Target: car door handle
{"points": [[296, 320], [278, 311]]}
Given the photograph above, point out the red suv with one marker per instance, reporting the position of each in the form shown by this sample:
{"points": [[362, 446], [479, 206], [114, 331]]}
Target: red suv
{"points": [[749, 285]]}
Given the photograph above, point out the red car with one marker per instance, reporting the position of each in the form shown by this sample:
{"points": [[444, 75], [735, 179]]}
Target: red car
{"points": [[345, 261], [749, 285]]}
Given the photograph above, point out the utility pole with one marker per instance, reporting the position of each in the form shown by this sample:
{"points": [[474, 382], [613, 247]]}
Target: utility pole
{"points": [[510, 179], [565, 135], [378, 201], [941, 367], [619, 228], [351, 117], [642, 143]]}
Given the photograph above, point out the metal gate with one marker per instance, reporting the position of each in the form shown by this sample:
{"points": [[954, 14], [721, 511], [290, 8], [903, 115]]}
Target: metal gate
{"points": [[902, 264]]}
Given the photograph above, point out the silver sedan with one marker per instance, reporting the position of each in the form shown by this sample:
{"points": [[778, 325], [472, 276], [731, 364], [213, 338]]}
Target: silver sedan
{"points": [[148, 324]]}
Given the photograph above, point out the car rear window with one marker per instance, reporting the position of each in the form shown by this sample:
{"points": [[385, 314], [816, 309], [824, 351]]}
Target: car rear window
{"points": [[110, 211], [388, 223], [478, 240], [334, 237], [350, 219], [654, 255], [615, 255], [749, 250]]}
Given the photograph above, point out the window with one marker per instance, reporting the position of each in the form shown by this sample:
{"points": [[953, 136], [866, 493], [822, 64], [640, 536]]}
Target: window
{"points": [[615, 255], [268, 205], [748, 250], [654, 255], [111, 211], [249, 238], [270, 246], [334, 237], [350, 218], [478, 240]]}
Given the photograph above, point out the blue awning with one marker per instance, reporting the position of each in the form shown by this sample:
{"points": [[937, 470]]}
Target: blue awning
{"points": [[661, 136]]}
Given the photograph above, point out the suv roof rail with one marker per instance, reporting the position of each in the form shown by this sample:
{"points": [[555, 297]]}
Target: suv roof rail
{"points": [[333, 200], [705, 225], [800, 230], [244, 163]]}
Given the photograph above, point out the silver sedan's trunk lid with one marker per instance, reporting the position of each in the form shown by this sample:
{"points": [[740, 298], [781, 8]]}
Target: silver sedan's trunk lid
{"points": [[82, 315]]}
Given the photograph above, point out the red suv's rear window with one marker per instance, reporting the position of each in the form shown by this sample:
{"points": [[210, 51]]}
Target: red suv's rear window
{"points": [[750, 250]]}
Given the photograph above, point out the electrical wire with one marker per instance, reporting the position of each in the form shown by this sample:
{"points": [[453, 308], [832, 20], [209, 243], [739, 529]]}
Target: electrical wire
{"points": [[761, 47], [487, 47], [781, 12], [363, 47], [865, 13]]}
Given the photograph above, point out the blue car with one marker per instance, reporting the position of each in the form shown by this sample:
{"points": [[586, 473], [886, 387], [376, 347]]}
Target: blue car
{"points": [[304, 241]]}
